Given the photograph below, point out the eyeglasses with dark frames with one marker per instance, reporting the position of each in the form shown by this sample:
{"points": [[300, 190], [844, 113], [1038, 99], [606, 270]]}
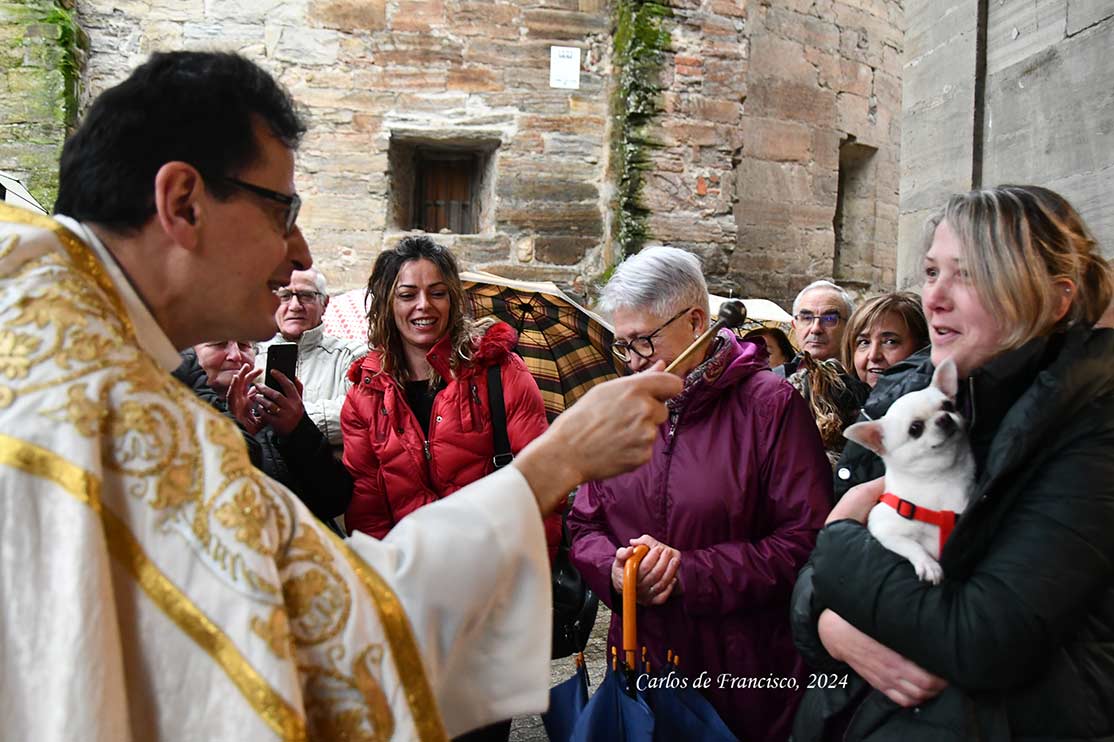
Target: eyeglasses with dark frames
{"points": [[304, 297], [293, 203], [827, 319], [643, 346]]}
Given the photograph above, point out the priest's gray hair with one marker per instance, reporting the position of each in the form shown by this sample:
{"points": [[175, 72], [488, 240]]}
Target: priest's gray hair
{"points": [[848, 304], [660, 280]]}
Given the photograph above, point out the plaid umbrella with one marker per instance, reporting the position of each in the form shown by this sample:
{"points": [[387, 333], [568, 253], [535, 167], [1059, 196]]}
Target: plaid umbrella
{"points": [[566, 347]]}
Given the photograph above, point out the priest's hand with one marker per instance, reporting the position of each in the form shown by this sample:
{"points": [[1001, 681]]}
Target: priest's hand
{"points": [[609, 431]]}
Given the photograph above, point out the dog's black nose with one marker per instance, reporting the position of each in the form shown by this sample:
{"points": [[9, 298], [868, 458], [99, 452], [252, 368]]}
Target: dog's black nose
{"points": [[946, 424]]}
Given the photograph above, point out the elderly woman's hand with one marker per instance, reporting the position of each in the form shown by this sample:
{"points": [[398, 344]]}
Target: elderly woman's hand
{"points": [[657, 572], [858, 501], [903, 682], [241, 399]]}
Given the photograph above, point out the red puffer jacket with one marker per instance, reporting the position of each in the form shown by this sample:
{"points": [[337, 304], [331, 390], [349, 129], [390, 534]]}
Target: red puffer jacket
{"points": [[395, 470]]}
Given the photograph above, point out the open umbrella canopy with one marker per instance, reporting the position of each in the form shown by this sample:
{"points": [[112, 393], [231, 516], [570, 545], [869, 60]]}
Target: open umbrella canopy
{"points": [[345, 316], [760, 312], [566, 347], [13, 192]]}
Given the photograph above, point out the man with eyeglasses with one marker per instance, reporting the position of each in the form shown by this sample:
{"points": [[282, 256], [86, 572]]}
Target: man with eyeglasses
{"points": [[820, 314], [156, 585], [323, 360]]}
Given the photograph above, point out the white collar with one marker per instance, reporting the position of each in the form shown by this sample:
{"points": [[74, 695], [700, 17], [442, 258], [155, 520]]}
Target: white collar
{"points": [[147, 331]]}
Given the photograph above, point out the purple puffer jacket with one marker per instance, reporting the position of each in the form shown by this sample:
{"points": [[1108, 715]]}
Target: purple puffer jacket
{"points": [[739, 483]]}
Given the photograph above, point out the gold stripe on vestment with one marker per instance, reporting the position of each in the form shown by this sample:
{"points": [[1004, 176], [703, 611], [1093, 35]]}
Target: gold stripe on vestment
{"points": [[404, 649], [85, 260], [283, 718]]}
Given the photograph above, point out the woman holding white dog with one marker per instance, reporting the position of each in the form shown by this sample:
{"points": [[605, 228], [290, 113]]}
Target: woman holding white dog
{"points": [[1017, 642]]}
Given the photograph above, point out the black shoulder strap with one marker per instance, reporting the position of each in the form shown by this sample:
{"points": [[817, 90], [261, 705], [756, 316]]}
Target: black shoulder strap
{"points": [[503, 455]]}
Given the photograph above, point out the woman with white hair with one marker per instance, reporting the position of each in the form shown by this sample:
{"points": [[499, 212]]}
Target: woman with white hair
{"points": [[729, 504]]}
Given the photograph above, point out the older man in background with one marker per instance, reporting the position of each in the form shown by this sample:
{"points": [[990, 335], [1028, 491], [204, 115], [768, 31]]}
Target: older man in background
{"points": [[820, 314], [323, 360]]}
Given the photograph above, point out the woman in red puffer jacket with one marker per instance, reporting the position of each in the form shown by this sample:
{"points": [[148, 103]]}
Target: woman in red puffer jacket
{"points": [[416, 422]]}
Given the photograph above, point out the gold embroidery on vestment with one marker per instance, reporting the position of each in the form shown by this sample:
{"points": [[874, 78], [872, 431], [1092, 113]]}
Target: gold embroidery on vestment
{"points": [[138, 411], [128, 552]]}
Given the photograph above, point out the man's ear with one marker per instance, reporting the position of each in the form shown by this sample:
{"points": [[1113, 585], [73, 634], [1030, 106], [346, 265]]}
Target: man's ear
{"points": [[867, 435], [178, 202]]}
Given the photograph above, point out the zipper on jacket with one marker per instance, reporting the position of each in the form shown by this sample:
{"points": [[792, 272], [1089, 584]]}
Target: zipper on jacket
{"points": [[425, 447], [477, 407]]}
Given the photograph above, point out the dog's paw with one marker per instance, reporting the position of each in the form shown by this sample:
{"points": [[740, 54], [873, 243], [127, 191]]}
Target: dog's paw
{"points": [[929, 570]]}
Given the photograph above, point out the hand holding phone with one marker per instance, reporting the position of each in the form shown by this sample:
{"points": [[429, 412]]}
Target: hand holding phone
{"points": [[281, 357]]}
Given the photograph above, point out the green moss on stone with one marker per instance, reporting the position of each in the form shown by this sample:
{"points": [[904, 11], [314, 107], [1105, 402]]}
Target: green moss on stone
{"points": [[39, 75], [639, 42]]}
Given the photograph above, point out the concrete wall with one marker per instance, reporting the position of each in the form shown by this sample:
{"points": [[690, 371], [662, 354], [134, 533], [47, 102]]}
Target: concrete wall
{"points": [[1042, 112], [447, 72]]}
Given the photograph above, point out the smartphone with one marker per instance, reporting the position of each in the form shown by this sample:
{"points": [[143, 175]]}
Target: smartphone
{"points": [[281, 357]]}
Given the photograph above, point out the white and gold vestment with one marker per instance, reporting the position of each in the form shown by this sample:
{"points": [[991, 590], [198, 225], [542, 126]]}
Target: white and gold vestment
{"points": [[156, 586]]}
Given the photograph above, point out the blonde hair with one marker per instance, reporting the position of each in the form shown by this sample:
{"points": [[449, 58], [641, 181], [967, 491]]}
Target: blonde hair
{"points": [[1016, 241]]}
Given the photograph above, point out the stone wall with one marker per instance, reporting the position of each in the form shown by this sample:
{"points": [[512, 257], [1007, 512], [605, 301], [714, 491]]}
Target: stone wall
{"points": [[33, 90], [817, 174], [779, 142], [380, 78], [1019, 95], [771, 152]]}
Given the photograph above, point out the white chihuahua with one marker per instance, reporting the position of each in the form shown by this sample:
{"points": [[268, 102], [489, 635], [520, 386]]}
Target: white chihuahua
{"points": [[930, 471]]}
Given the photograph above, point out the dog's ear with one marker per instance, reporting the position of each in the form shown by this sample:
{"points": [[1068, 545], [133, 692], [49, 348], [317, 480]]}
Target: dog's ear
{"points": [[946, 378], [868, 435]]}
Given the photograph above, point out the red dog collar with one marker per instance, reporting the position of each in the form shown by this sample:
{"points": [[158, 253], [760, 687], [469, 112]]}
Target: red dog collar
{"points": [[945, 520]]}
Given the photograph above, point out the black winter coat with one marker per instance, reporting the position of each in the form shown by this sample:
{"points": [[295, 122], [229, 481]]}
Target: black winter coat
{"points": [[1022, 627], [302, 461]]}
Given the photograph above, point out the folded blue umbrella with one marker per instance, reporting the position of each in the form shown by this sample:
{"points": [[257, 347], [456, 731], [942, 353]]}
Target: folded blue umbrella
{"points": [[613, 714], [566, 703], [685, 714]]}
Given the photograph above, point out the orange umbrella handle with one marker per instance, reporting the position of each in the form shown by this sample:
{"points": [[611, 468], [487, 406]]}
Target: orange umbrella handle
{"points": [[630, 605]]}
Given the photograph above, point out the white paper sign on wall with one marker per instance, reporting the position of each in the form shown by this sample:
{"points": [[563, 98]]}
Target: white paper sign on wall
{"points": [[564, 67]]}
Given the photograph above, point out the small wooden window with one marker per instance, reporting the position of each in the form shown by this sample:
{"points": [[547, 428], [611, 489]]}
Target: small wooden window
{"points": [[446, 191]]}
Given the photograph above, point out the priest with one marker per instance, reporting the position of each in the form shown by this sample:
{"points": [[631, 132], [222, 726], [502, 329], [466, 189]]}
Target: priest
{"points": [[155, 585]]}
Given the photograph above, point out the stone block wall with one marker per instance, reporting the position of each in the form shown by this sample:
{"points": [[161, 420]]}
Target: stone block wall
{"points": [[381, 77], [689, 188], [1021, 94], [33, 87], [817, 170], [772, 153]]}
